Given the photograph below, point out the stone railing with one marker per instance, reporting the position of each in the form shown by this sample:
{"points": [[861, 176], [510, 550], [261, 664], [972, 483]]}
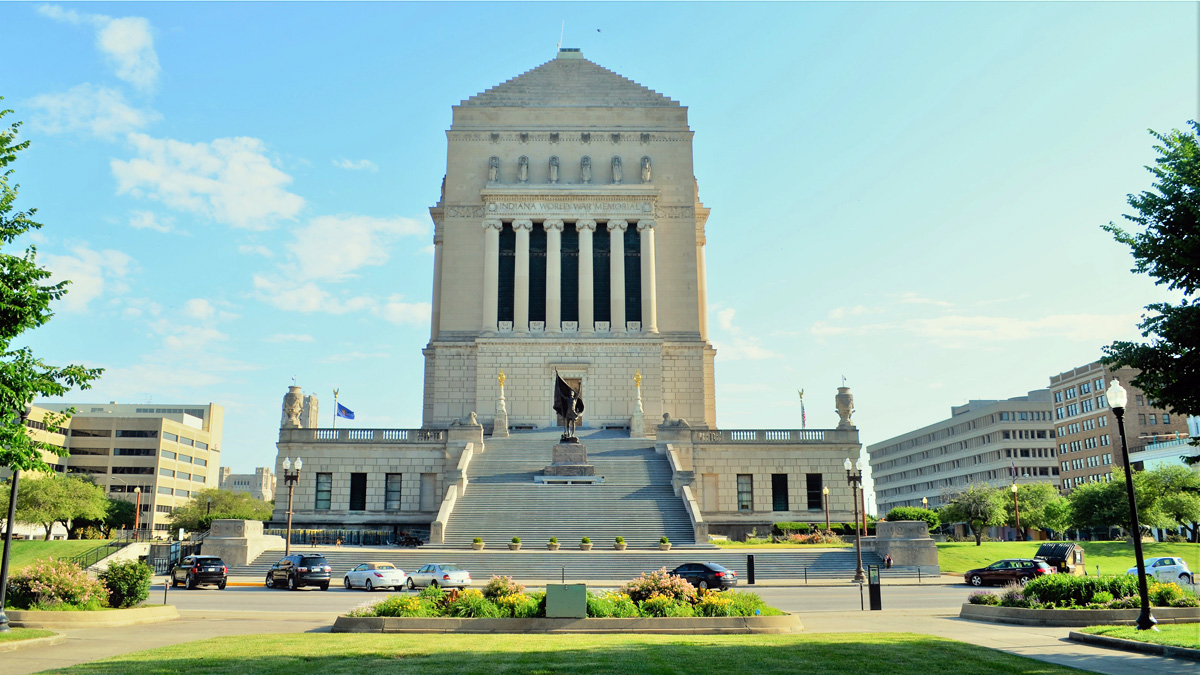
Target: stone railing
{"points": [[759, 436], [362, 435], [437, 529]]}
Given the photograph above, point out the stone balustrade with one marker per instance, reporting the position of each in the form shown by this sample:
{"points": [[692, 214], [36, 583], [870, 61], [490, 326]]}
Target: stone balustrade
{"points": [[362, 435]]}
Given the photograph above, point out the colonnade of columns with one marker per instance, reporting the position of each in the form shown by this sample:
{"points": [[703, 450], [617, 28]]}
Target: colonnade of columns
{"points": [[554, 229]]}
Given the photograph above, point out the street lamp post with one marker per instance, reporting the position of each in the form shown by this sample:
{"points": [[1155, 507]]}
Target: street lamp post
{"points": [[1017, 511], [854, 478], [825, 491], [290, 477], [1117, 397], [137, 514]]}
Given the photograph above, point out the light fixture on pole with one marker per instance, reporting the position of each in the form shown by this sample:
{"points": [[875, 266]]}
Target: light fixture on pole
{"points": [[825, 491], [137, 514], [1017, 511], [1117, 398], [854, 478], [290, 477]]}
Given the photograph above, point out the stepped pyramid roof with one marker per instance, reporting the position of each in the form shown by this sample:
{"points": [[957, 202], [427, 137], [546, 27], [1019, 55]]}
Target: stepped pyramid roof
{"points": [[570, 81]]}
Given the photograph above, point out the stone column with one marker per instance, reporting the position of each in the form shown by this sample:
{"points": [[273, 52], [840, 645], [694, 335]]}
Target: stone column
{"points": [[521, 277], [702, 287], [436, 319], [587, 317], [616, 273], [649, 294], [491, 273], [553, 275]]}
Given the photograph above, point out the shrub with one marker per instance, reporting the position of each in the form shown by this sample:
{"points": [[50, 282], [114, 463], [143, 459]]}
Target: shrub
{"points": [[585, 540], [433, 595], [619, 540], [1065, 590], [659, 583], [1186, 601], [471, 604], [611, 605], [1131, 602], [666, 606], [1163, 595], [396, 605], [848, 528], [788, 528], [553, 540], [984, 598], [1102, 597], [128, 583], [477, 540], [748, 604], [714, 604], [1013, 596], [516, 540], [664, 540], [519, 605], [914, 513], [499, 587], [815, 538], [55, 584]]}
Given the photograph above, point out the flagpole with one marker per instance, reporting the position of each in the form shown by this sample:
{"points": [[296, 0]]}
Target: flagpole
{"points": [[335, 393]]}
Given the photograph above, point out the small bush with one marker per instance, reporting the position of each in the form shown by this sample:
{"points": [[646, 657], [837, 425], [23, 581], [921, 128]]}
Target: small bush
{"points": [[499, 587], [611, 605], [983, 598], [516, 540], [1065, 590], [713, 604], [128, 583], [1176, 538], [585, 540], [55, 584], [788, 528], [1163, 595], [666, 606], [1186, 601], [1013, 596], [433, 594], [749, 604], [477, 540], [1102, 597], [815, 538], [1125, 603], [471, 604], [659, 583], [396, 605], [664, 540], [619, 540], [553, 540], [915, 513]]}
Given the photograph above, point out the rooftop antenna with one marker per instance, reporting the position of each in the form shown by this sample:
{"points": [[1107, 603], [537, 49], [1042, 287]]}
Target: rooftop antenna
{"points": [[560, 33]]}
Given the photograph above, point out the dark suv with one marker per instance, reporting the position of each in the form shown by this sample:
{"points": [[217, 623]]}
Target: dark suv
{"points": [[707, 575], [1019, 570], [197, 570], [294, 571]]}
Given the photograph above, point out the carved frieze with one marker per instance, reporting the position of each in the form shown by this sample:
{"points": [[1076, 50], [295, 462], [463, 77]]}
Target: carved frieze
{"points": [[463, 211], [568, 206], [674, 212]]}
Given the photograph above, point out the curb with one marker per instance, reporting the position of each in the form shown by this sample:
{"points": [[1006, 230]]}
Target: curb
{"points": [[767, 583], [1135, 646], [747, 625], [34, 642]]}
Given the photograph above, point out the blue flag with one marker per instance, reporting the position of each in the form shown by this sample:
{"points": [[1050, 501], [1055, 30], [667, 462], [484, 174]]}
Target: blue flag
{"points": [[343, 411]]}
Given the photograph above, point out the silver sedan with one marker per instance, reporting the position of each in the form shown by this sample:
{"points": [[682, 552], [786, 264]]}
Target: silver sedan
{"points": [[369, 576], [440, 574]]}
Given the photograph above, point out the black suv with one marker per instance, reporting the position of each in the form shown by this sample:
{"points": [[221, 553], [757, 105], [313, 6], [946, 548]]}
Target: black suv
{"points": [[196, 570], [294, 571]]}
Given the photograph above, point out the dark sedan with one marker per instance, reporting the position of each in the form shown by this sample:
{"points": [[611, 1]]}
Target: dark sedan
{"points": [[707, 575], [1019, 570], [200, 570]]}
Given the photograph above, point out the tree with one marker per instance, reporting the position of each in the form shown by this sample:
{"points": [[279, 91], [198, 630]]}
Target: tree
{"points": [[25, 299], [1033, 499], [979, 506], [1177, 489], [1105, 504], [196, 515], [118, 513], [1056, 517], [1168, 249], [914, 513], [50, 498]]}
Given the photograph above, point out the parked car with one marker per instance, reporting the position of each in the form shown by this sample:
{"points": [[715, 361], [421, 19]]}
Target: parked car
{"points": [[1166, 570], [200, 570], [707, 575], [440, 574], [409, 541], [296, 571], [1019, 570], [369, 576]]}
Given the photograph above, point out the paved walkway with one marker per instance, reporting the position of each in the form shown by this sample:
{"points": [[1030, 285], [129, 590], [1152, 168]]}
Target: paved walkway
{"points": [[1045, 644]]}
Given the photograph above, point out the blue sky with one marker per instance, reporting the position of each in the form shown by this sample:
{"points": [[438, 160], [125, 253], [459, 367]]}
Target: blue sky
{"points": [[906, 194]]}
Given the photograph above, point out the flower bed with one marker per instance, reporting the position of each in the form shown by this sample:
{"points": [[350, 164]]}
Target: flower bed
{"points": [[1063, 600]]}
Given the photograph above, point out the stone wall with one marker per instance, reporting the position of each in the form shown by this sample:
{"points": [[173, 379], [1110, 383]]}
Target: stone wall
{"points": [[909, 544]]}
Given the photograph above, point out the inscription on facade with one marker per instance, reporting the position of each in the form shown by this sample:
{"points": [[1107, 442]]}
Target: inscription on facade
{"points": [[569, 207]]}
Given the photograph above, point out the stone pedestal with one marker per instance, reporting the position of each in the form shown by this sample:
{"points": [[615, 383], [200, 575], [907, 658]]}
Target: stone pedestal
{"points": [[637, 425], [500, 424], [909, 544], [570, 459]]}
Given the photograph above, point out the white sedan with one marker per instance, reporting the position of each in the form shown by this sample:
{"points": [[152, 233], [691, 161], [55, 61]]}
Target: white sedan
{"points": [[1166, 570], [369, 576], [440, 574]]}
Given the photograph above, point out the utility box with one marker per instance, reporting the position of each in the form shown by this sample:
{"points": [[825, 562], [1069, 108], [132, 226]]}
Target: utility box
{"points": [[566, 601]]}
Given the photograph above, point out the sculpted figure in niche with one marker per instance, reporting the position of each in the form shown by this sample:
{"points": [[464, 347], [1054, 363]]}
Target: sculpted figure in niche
{"points": [[645, 169], [618, 174], [585, 169], [493, 169], [553, 169], [523, 169]]}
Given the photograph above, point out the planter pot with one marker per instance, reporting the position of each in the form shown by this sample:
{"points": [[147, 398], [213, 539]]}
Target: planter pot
{"points": [[514, 547], [619, 547], [664, 547], [585, 547], [477, 547], [552, 547]]}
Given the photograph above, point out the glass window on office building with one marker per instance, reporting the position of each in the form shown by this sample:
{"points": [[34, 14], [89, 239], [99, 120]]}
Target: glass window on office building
{"points": [[745, 492]]}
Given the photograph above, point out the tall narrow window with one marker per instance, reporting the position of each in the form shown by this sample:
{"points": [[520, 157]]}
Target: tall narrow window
{"points": [[633, 274], [392, 492], [324, 491], [813, 482], [508, 267], [745, 492], [601, 309], [570, 273], [537, 273], [779, 492], [358, 492]]}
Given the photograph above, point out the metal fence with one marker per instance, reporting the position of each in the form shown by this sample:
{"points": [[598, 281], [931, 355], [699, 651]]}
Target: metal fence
{"points": [[336, 537]]}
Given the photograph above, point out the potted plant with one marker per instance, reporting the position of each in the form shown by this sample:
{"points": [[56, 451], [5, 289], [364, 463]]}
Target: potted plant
{"points": [[664, 544], [515, 545], [553, 544], [619, 543], [585, 544], [477, 544]]}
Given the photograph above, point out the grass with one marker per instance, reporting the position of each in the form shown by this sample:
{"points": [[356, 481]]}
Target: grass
{"points": [[330, 654], [1113, 557], [1172, 634], [16, 634], [27, 551], [744, 544]]}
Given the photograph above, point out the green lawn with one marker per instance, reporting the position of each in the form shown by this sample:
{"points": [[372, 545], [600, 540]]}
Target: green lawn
{"points": [[15, 634], [1173, 634], [1113, 557], [26, 552]]}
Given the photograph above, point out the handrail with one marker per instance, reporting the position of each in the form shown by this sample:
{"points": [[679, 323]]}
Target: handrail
{"points": [[437, 529], [96, 554], [699, 527]]}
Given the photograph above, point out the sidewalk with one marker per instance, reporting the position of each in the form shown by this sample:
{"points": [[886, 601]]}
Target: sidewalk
{"points": [[944, 580]]}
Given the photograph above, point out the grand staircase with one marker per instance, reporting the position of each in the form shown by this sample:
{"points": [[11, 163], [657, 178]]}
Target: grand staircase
{"points": [[635, 501]]}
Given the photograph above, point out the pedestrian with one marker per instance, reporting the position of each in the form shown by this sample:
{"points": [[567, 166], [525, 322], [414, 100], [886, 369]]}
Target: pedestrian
{"points": [[339, 541], [887, 561]]}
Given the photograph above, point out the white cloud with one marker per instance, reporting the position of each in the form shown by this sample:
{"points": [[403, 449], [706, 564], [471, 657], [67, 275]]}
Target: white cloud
{"points": [[332, 247], [737, 346], [396, 311], [249, 249], [127, 43], [92, 274], [191, 338], [290, 337], [305, 297], [88, 109], [147, 220], [725, 318], [199, 309], [230, 180], [356, 165]]}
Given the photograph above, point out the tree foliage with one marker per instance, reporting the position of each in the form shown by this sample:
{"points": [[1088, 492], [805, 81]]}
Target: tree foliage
{"points": [[978, 505], [50, 498], [1167, 497], [914, 513], [25, 297], [118, 514], [196, 515], [1034, 499], [1167, 247]]}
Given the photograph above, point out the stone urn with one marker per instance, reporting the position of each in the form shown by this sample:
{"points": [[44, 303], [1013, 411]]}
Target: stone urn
{"points": [[477, 545], [585, 546], [845, 407], [664, 547], [620, 545], [514, 546], [553, 546], [293, 403]]}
